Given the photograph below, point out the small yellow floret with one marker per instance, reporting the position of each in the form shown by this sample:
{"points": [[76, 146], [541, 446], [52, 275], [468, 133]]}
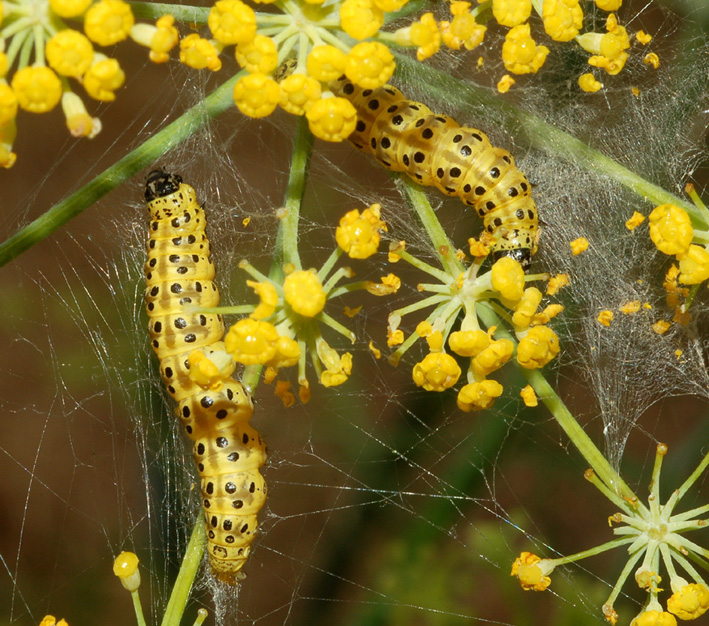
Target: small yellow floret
{"points": [[164, 39], [643, 37], [588, 83], [529, 397], [78, 120], [635, 220], [103, 79], [369, 64], [126, 568], [549, 313], [394, 337], [69, 53], [462, 30], [671, 229], [661, 327], [269, 299], [477, 248], [389, 284], [199, 53], [423, 34], [257, 95], [693, 265], [424, 329], [526, 308], [260, 54], [504, 84], [338, 367], [478, 396], [326, 63], [511, 12], [562, 19], [556, 283], [375, 351], [68, 8], [629, 308], [304, 292], [492, 358], [654, 618], [395, 250], [360, 19], [533, 573], [8, 104], [520, 53], [108, 22], [507, 277], [609, 50], [232, 22], [539, 346], [299, 92], [332, 119], [605, 317], [38, 89], [358, 234], [690, 602], [468, 343], [652, 59], [437, 372], [579, 245], [252, 342]]}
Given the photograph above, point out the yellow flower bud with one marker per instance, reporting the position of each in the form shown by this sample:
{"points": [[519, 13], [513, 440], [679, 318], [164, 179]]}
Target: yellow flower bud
{"points": [[507, 278], [533, 573], [479, 395], [468, 343], [493, 357], [126, 568], [358, 234], [304, 292], [670, 229], [690, 602], [38, 89], [539, 346], [693, 265], [437, 372]]}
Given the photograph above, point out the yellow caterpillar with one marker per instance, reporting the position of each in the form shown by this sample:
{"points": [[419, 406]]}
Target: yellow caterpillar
{"points": [[214, 409], [434, 150]]}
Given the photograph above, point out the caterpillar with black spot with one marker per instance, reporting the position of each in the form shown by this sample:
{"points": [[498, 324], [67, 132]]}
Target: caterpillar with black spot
{"points": [[216, 411], [434, 150]]}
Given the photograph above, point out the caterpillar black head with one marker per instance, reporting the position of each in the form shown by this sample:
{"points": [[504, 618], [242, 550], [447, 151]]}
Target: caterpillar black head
{"points": [[522, 255], [161, 184]]}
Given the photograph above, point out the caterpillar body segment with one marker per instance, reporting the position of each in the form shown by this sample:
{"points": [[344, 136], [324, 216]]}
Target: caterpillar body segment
{"points": [[227, 450], [434, 150]]}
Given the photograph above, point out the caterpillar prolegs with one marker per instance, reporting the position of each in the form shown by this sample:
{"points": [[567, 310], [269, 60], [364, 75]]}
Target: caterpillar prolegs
{"points": [[434, 150], [215, 411]]}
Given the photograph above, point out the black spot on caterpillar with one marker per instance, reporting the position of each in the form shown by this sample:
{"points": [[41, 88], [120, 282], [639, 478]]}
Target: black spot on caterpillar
{"points": [[227, 450], [434, 150]]}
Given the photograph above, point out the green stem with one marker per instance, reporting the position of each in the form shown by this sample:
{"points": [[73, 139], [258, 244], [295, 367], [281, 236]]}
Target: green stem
{"points": [[433, 227], [182, 13], [536, 132], [287, 240], [563, 416], [150, 151], [188, 570], [138, 607]]}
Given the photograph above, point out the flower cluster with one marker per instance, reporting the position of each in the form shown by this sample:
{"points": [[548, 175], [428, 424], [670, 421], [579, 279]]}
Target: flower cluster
{"points": [[40, 54], [562, 20], [673, 233], [293, 55], [287, 323], [502, 288], [653, 535]]}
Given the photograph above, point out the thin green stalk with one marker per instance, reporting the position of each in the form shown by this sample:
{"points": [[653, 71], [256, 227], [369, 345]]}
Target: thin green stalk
{"points": [[540, 134], [433, 227], [287, 240], [182, 13], [150, 151], [562, 415], [188, 570], [138, 607]]}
